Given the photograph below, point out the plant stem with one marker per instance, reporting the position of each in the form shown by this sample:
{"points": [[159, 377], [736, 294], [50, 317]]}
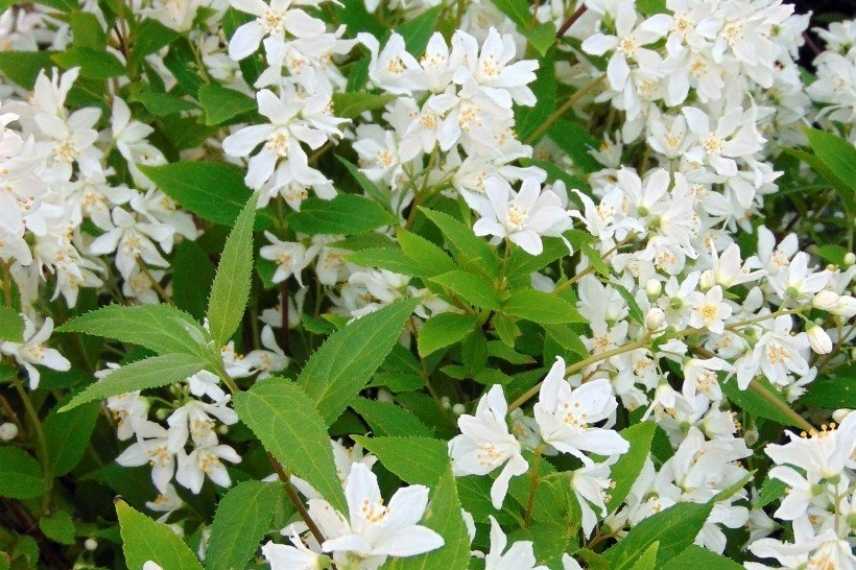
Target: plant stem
{"points": [[41, 441], [566, 106], [577, 366], [295, 499], [783, 407], [566, 25]]}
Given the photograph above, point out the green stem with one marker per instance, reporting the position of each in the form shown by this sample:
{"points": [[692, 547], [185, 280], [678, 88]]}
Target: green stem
{"points": [[41, 441], [560, 112]]}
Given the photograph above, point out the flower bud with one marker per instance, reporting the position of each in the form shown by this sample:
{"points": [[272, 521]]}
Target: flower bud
{"points": [[446, 402], [841, 413], [707, 280], [8, 431], [849, 259], [653, 288], [825, 300], [90, 544], [819, 340], [458, 409], [655, 319]]}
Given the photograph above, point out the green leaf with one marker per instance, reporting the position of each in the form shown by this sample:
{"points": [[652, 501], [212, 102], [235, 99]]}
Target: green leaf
{"points": [[832, 392], [417, 31], [832, 253], [541, 37], [144, 539], [67, 436], [354, 15], [577, 142], [701, 559], [160, 328], [346, 214], [771, 490], [93, 63], [626, 470], [20, 474], [517, 10], [192, 275], [444, 330], [243, 517], [367, 185], [231, 288], [11, 325], [86, 30], [346, 361], [163, 104], [221, 104], [150, 37], [674, 528], [444, 517], [567, 338], [149, 373], [58, 527], [839, 157], [414, 460], [469, 287], [352, 105], [541, 308], [595, 259], [214, 191], [648, 559], [751, 402], [23, 67], [289, 426], [386, 418], [430, 257], [635, 311], [390, 258], [470, 251]]}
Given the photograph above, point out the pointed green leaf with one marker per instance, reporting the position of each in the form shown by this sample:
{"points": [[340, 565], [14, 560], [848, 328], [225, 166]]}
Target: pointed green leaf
{"points": [[67, 436], [415, 460], [346, 361], [160, 328], [444, 330], [144, 539], [470, 251], [11, 325], [470, 287], [149, 373], [289, 426], [221, 104], [627, 468], [346, 214], [243, 517], [386, 418], [20, 474], [541, 308], [231, 288]]}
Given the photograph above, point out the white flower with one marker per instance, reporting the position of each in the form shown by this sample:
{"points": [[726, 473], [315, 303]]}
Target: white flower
{"points": [[297, 557], [205, 461], [485, 443], [375, 530], [273, 20], [819, 340], [521, 555], [32, 351], [290, 257], [522, 217], [152, 446], [709, 310], [393, 69], [627, 44], [193, 419], [132, 241], [566, 416], [735, 136], [590, 484]]}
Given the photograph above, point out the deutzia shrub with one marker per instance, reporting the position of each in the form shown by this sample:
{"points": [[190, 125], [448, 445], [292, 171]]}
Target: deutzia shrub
{"points": [[427, 284]]}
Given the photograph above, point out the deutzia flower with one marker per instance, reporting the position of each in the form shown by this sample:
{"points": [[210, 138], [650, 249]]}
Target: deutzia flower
{"points": [[297, 557], [485, 443], [205, 461], [521, 555], [565, 416], [376, 531], [709, 311], [273, 20], [32, 351], [290, 257], [522, 217], [152, 446]]}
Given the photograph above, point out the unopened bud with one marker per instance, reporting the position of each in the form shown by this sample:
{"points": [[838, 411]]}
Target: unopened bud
{"points": [[90, 544], [653, 288], [707, 280], [161, 414], [8, 431], [825, 300], [384, 396], [655, 319], [458, 409], [819, 340], [849, 259], [446, 402]]}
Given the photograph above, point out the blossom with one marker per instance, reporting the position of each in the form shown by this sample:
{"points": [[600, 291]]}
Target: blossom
{"points": [[709, 310], [521, 555], [566, 416], [273, 19], [32, 352], [375, 531], [485, 444], [205, 461], [522, 217]]}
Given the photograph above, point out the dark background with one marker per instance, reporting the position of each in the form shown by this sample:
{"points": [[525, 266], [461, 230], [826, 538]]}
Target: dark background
{"points": [[823, 12]]}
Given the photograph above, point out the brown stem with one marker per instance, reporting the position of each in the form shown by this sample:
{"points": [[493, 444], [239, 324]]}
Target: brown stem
{"points": [[295, 499], [283, 331], [566, 25]]}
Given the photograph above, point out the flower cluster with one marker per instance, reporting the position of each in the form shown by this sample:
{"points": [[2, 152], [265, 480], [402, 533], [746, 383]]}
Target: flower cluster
{"points": [[429, 277]]}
